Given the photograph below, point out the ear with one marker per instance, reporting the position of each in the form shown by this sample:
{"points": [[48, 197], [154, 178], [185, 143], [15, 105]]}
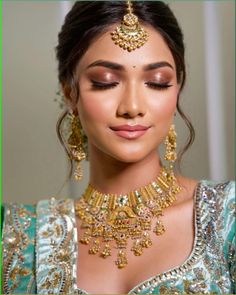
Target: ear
{"points": [[70, 99]]}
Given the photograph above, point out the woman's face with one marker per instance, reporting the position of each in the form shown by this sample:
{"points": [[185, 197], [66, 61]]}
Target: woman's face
{"points": [[127, 99]]}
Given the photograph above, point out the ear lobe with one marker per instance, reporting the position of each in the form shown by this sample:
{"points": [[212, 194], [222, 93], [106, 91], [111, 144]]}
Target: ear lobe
{"points": [[67, 91], [69, 99]]}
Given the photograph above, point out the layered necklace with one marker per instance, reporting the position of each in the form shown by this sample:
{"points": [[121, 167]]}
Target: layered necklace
{"points": [[113, 219]]}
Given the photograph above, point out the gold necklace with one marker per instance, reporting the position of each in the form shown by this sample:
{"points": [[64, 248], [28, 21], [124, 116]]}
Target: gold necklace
{"points": [[111, 217]]}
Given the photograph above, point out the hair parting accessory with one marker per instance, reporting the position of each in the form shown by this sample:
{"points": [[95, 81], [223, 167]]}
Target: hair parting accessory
{"points": [[129, 35]]}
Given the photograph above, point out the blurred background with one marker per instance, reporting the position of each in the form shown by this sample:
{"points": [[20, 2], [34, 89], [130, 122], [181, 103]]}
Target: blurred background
{"points": [[34, 163]]}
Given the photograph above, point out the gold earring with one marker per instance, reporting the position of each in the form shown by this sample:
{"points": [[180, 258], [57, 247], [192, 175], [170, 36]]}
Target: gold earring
{"points": [[170, 143], [75, 144]]}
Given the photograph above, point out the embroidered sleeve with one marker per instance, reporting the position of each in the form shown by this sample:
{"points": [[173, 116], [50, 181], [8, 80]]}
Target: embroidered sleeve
{"points": [[56, 247], [18, 243], [229, 230]]}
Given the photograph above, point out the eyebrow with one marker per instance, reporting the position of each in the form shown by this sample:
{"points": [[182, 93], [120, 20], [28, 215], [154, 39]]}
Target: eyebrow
{"points": [[116, 66], [157, 65]]}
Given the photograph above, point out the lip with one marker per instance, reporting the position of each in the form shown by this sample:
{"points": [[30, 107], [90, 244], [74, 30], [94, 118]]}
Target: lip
{"points": [[129, 132], [129, 128]]}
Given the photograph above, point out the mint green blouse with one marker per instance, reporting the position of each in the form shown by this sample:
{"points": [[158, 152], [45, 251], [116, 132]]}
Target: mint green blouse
{"points": [[40, 248]]}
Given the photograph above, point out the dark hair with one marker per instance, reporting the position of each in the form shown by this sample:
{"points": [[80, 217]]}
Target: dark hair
{"points": [[88, 19]]}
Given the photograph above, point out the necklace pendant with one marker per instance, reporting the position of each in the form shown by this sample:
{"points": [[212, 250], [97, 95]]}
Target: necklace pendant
{"points": [[159, 228], [121, 239], [121, 261], [86, 238], [135, 231], [106, 251], [107, 234], [146, 241], [137, 248], [95, 248]]}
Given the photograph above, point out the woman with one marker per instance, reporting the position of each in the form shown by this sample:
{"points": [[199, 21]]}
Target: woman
{"points": [[138, 227]]}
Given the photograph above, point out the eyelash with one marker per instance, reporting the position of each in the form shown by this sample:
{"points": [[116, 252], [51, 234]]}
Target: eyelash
{"points": [[160, 86], [103, 86]]}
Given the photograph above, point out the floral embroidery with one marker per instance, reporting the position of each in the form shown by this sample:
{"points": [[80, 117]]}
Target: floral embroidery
{"points": [[18, 249], [56, 247]]}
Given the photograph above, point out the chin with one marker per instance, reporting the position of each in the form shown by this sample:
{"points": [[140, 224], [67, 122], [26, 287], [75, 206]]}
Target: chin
{"points": [[128, 160], [130, 156], [126, 153]]}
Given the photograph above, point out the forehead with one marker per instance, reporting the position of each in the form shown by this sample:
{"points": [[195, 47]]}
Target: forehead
{"points": [[154, 50]]}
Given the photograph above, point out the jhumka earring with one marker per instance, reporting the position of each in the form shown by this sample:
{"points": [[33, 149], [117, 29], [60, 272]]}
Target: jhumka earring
{"points": [[129, 35], [170, 143], [75, 144]]}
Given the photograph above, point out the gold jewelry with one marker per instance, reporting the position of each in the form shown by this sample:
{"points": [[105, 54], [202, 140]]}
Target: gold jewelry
{"points": [[170, 143], [116, 218], [75, 144], [129, 35]]}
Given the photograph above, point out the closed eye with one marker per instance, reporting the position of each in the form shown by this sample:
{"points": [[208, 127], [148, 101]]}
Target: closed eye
{"points": [[102, 86], [160, 86], [96, 85]]}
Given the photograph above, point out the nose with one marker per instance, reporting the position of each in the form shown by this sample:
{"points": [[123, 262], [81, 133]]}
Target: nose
{"points": [[132, 103]]}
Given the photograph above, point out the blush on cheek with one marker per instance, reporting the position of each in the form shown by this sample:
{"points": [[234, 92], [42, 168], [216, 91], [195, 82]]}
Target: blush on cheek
{"points": [[164, 106], [95, 109]]}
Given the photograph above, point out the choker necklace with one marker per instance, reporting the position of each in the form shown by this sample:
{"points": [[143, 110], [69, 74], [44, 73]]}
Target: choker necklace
{"points": [[116, 218]]}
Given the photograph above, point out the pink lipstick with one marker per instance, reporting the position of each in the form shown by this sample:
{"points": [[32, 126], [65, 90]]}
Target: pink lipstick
{"points": [[130, 131]]}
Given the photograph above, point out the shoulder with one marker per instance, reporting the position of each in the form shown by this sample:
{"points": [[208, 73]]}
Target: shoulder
{"points": [[56, 206], [216, 204], [18, 213], [217, 207], [23, 217], [18, 216], [21, 209], [218, 194], [228, 187]]}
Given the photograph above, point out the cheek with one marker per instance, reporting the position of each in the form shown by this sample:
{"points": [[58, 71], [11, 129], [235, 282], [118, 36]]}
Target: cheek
{"points": [[164, 105], [94, 109]]}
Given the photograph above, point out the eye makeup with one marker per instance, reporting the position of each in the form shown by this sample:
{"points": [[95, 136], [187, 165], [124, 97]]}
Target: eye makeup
{"points": [[104, 79], [103, 76], [96, 85], [159, 80], [160, 76]]}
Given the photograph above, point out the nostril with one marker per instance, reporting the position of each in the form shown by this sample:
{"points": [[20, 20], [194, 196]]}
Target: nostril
{"points": [[126, 115], [141, 114]]}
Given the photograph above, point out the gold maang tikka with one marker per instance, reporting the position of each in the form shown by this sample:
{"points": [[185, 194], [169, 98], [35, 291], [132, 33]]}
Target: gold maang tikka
{"points": [[75, 144], [129, 35]]}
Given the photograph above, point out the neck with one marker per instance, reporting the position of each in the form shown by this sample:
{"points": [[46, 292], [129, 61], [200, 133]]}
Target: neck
{"points": [[109, 175]]}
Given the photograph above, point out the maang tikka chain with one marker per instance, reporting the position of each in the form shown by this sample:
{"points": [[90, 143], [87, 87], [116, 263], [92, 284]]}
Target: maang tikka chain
{"points": [[75, 144], [129, 35]]}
